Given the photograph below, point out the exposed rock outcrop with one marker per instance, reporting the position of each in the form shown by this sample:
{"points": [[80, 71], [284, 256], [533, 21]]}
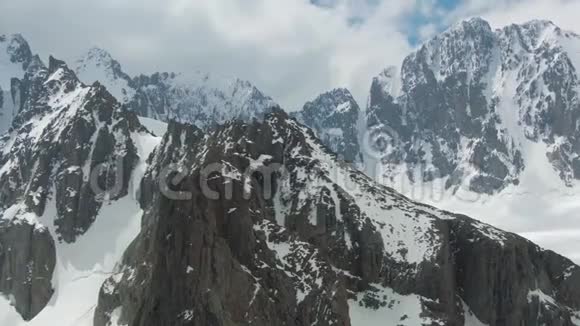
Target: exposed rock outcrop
{"points": [[334, 117]]}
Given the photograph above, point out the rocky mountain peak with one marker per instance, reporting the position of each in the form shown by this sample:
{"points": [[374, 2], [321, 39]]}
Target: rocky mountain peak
{"points": [[99, 59], [15, 55], [334, 117], [71, 151], [15, 60], [473, 24], [533, 35], [332, 101], [99, 55], [195, 97], [474, 101], [99, 65], [387, 83], [17, 48], [55, 65]]}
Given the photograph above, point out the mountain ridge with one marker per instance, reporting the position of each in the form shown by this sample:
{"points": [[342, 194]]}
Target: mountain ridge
{"points": [[198, 98]]}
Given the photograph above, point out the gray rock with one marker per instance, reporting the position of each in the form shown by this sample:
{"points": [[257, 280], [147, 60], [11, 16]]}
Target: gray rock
{"points": [[334, 117], [27, 261]]}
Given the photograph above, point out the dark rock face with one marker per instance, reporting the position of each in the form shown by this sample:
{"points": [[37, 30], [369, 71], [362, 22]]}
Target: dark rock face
{"points": [[512, 282], [69, 150], [27, 260], [218, 247], [334, 117], [466, 97]]}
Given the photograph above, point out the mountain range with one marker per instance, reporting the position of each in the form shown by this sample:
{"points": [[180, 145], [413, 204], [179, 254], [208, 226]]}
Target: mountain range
{"points": [[268, 218], [198, 98]]}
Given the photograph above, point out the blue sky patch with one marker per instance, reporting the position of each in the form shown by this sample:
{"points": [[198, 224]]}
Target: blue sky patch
{"points": [[410, 25]]}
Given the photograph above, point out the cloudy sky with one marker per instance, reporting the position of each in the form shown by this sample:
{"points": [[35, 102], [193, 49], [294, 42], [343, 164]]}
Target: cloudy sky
{"points": [[291, 49]]}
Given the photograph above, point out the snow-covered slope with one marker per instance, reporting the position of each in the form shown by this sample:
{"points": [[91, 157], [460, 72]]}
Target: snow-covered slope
{"points": [[196, 98]]}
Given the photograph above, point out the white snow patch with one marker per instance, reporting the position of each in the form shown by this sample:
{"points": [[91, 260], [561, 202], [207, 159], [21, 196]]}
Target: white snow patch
{"points": [[343, 107], [576, 318], [398, 310], [158, 128], [543, 297], [8, 315], [470, 318], [115, 316]]}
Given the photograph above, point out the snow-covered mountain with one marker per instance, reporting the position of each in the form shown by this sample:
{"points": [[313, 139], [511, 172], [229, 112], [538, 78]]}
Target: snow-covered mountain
{"points": [[197, 98], [98, 65], [60, 235], [334, 117], [279, 232], [15, 56], [485, 122], [478, 107]]}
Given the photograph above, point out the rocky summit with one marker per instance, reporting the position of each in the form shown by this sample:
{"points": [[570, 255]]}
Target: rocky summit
{"points": [[334, 117], [476, 107]]}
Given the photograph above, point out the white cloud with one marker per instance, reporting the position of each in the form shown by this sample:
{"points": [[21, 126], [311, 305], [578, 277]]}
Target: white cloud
{"points": [[499, 13]]}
